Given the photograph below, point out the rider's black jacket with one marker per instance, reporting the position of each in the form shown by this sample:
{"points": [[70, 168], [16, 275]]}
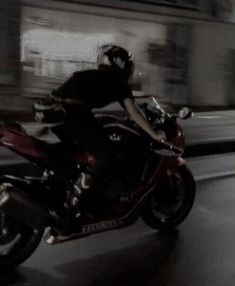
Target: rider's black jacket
{"points": [[95, 88]]}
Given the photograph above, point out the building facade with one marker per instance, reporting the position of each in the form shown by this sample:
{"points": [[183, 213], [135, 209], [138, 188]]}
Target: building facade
{"points": [[184, 50]]}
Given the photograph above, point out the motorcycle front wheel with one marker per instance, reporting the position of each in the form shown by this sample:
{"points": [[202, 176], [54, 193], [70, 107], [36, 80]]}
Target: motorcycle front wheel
{"points": [[17, 242], [172, 201]]}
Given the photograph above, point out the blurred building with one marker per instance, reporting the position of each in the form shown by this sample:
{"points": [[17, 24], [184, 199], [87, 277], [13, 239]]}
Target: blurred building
{"points": [[184, 50]]}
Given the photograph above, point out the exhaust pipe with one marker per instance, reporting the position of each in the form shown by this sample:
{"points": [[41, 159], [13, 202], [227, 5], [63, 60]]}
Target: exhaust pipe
{"points": [[23, 207]]}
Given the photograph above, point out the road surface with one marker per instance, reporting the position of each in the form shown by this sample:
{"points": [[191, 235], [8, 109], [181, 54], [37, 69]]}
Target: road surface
{"points": [[200, 252]]}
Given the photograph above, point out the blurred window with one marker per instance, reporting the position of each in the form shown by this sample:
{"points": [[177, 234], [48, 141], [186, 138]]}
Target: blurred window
{"points": [[189, 4]]}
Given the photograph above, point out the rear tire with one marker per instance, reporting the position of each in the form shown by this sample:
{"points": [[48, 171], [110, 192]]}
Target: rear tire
{"points": [[17, 242], [172, 201]]}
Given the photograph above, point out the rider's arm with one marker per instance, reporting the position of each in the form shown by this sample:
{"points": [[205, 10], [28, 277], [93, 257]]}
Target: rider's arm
{"points": [[68, 101], [137, 115]]}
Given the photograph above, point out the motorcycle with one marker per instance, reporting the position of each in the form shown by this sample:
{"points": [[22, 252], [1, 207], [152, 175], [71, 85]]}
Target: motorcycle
{"points": [[161, 188]]}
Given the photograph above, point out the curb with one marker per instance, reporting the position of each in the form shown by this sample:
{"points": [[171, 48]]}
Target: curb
{"points": [[210, 148], [218, 175]]}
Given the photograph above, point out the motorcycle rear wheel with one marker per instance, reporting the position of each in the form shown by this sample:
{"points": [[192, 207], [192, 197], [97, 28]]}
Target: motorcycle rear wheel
{"points": [[172, 201], [17, 242]]}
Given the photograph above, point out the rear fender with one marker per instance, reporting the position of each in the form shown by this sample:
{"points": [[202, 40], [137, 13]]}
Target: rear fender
{"points": [[21, 143]]}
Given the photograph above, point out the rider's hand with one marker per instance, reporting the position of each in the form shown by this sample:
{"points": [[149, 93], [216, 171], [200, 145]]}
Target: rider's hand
{"points": [[160, 136]]}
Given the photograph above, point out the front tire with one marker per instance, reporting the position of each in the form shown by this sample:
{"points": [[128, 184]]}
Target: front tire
{"points": [[172, 201], [17, 242]]}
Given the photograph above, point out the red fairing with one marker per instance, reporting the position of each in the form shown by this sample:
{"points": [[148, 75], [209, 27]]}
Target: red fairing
{"points": [[20, 143], [167, 163], [28, 147], [179, 139], [84, 157]]}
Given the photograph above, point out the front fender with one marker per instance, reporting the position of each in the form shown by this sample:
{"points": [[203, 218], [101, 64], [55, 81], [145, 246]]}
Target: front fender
{"points": [[173, 163], [168, 164]]}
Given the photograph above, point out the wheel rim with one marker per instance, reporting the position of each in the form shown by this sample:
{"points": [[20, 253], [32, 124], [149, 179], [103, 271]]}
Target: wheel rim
{"points": [[170, 199], [13, 236]]}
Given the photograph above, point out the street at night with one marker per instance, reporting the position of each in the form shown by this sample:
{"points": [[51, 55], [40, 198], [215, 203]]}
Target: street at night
{"points": [[132, 90], [199, 252]]}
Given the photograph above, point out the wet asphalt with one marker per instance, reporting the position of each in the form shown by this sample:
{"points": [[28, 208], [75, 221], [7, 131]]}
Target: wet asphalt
{"points": [[199, 252]]}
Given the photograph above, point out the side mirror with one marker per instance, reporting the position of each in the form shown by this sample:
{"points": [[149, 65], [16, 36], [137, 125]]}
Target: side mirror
{"points": [[185, 113]]}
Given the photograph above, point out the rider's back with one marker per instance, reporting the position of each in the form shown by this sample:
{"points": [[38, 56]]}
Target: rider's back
{"points": [[95, 88]]}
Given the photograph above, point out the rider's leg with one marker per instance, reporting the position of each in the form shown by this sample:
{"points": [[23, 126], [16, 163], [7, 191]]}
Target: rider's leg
{"points": [[84, 129]]}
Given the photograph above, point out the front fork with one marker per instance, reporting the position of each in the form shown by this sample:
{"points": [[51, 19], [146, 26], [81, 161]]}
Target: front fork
{"points": [[3, 228], [165, 167]]}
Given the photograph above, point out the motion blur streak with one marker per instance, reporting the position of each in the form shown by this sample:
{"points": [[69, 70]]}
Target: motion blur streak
{"points": [[184, 55]]}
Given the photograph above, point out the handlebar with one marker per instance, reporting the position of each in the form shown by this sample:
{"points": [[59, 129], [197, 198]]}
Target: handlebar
{"points": [[166, 149]]}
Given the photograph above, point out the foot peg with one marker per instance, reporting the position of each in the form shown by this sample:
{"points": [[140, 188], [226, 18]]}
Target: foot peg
{"points": [[50, 237], [53, 238]]}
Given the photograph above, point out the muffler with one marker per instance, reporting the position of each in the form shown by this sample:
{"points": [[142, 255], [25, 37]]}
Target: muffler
{"points": [[23, 207]]}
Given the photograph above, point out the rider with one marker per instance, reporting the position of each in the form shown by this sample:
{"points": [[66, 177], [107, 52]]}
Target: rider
{"points": [[89, 89]]}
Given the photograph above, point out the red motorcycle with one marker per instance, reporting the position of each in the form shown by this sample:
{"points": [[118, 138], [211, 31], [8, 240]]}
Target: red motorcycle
{"points": [[161, 188]]}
